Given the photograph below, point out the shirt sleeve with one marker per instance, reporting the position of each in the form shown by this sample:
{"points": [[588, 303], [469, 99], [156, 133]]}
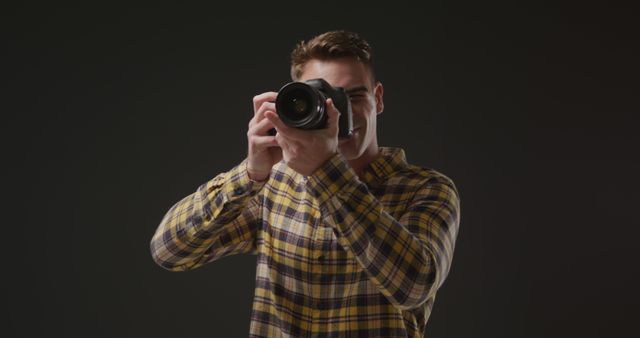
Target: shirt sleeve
{"points": [[407, 258], [219, 219]]}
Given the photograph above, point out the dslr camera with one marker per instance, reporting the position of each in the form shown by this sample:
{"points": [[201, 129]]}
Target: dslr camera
{"points": [[302, 105]]}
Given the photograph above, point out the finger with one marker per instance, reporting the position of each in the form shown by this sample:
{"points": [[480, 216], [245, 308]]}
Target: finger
{"points": [[285, 142], [260, 128], [259, 143], [281, 141], [283, 129], [266, 106], [333, 115], [258, 100], [259, 114]]}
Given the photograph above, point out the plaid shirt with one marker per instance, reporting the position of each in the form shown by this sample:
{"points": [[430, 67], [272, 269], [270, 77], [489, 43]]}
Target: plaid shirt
{"points": [[337, 255]]}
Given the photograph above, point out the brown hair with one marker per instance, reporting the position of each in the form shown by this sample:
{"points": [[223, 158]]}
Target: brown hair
{"points": [[331, 45]]}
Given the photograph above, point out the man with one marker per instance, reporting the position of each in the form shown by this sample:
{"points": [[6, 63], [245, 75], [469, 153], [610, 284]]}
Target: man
{"points": [[352, 241]]}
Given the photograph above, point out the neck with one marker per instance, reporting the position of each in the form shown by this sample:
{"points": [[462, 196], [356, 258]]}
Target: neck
{"points": [[359, 164]]}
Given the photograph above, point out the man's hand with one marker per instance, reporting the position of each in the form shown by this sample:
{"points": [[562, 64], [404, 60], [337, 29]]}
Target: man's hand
{"points": [[306, 150], [263, 151]]}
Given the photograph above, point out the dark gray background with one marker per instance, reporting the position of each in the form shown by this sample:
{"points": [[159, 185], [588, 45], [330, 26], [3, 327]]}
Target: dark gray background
{"points": [[112, 114]]}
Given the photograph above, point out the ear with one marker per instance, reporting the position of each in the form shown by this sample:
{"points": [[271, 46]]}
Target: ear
{"points": [[377, 92]]}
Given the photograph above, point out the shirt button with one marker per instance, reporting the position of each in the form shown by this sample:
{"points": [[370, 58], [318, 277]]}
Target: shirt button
{"points": [[321, 257], [238, 191]]}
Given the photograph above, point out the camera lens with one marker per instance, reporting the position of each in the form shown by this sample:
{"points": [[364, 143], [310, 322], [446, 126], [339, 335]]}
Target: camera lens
{"points": [[300, 105], [297, 103]]}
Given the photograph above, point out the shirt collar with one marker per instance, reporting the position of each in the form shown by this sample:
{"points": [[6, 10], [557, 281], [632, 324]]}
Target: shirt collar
{"points": [[388, 161]]}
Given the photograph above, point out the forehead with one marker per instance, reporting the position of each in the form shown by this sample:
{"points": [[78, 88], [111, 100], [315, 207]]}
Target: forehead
{"points": [[344, 72]]}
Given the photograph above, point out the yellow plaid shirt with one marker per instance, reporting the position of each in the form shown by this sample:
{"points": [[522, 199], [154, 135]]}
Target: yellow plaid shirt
{"points": [[337, 255]]}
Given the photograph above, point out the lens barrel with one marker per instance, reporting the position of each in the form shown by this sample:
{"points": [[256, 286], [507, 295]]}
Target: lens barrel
{"points": [[301, 105]]}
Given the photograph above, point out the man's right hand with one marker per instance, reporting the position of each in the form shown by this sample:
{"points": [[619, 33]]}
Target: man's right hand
{"points": [[263, 151]]}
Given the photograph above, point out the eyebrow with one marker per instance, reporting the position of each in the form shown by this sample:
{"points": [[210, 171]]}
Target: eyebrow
{"points": [[356, 89]]}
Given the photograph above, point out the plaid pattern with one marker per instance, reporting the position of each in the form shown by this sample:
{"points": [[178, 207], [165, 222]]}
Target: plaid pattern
{"points": [[338, 255]]}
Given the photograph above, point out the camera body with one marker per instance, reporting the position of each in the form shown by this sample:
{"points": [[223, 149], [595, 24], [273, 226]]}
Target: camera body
{"points": [[302, 105]]}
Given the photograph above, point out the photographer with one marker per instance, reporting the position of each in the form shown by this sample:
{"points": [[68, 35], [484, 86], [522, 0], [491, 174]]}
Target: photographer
{"points": [[351, 239]]}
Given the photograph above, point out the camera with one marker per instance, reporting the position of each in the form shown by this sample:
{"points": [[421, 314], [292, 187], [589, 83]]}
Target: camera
{"points": [[302, 105]]}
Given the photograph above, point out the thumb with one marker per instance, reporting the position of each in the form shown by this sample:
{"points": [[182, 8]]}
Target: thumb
{"points": [[333, 115]]}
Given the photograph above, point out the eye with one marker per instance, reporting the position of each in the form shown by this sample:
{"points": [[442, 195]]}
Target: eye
{"points": [[356, 97]]}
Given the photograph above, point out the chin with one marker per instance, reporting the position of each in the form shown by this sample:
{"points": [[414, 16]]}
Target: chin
{"points": [[353, 148], [349, 151]]}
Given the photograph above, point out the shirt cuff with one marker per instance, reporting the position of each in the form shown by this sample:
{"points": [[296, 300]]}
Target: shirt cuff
{"points": [[239, 184], [333, 178]]}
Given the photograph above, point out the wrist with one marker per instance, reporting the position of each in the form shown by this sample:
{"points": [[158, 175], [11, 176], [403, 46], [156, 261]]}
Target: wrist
{"points": [[257, 177]]}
